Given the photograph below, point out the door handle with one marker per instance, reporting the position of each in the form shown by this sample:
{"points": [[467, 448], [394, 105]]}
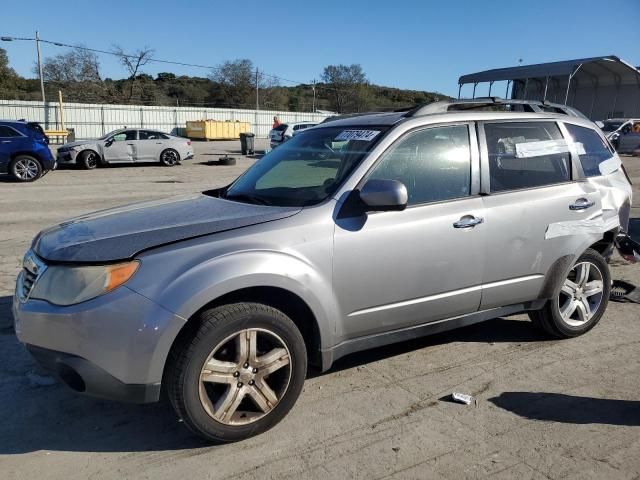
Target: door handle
{"points": [[468, 221], [581, 204], [5, 141]]}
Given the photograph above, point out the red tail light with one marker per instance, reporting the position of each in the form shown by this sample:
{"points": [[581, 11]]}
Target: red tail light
{"points": [[189, 142]]}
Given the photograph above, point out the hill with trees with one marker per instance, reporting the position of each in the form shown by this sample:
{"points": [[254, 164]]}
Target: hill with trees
{"points": [[232, 84]]}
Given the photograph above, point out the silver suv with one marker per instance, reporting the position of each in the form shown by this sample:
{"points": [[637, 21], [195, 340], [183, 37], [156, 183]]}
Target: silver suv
{"points": [[354, 234]]}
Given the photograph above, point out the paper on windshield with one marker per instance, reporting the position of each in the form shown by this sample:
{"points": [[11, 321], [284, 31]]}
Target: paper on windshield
{"points": [[359, 135]]}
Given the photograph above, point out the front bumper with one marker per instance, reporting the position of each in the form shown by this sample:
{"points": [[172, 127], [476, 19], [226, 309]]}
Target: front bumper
{"points": [[116, 344], [66, 158], [85, 377]]}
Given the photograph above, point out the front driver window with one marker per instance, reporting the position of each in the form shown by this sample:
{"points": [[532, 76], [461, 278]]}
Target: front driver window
{"points": [[434, 164]]}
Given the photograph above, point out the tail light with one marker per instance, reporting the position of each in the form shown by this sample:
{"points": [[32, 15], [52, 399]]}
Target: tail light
{"points": [[188, 143]]}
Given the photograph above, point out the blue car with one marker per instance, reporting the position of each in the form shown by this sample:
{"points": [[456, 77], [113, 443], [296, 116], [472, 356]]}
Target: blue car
{"points": [[24, 150]]}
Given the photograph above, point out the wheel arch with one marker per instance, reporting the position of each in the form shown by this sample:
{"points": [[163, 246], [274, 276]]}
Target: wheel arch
{"points": [[279, 298]]}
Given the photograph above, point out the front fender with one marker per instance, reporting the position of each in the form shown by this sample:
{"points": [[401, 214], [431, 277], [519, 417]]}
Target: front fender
{"points": [[198, 286]]}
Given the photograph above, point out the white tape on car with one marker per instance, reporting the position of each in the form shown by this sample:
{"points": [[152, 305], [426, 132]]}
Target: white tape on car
{"points": [[542, 147], [609, 166], [358, 135], [580, 227]]}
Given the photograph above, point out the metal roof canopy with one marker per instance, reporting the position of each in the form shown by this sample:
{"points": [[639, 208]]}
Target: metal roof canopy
{"points": [[611, 65], [607, 67]]}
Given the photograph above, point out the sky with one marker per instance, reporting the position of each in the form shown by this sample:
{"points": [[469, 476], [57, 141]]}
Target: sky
{"points": [[420, 45]]}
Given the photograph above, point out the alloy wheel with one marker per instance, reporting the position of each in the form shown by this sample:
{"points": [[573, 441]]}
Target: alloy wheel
{"points": [[26, 169], [169, 157], [245, 377], [91, 160], [581, 294]]}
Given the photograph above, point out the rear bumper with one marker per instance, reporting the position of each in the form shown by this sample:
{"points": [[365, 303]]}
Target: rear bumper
{"points": [[83, 376]]}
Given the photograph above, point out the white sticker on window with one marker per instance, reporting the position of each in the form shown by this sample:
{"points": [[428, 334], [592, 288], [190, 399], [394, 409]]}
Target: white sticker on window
{"points": [[541, 147], [580, 148], [359, 135]]}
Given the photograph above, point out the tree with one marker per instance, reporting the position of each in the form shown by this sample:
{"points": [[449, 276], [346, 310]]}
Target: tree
{"points": [[347, 85], [133, 62], [8, 76], [235, 83], [74, 66]]}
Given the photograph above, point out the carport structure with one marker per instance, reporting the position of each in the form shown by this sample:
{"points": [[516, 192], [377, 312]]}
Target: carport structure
{"points": [[600, 87]]}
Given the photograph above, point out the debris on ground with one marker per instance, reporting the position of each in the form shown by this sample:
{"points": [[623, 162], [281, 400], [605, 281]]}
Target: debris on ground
{"points": [[624, 292], [462, 398], [37, 380]]}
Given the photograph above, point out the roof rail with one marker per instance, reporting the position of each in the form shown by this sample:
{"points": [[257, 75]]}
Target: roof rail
{"points": [[480, 102]]}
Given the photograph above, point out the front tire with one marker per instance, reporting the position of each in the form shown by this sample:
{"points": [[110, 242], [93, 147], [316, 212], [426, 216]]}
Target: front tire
{"points": [[580, 301], [238, 373], [89, 159], [169, 157], [25, 168]]}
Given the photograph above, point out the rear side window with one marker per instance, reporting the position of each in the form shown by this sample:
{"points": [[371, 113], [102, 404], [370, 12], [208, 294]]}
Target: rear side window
{"points": [[592, 150], [526, 155], [8, 132]]}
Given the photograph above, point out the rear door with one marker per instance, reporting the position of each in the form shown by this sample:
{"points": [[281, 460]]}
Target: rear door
{"points": [[10, 141], [149, 146], [530, 194]]}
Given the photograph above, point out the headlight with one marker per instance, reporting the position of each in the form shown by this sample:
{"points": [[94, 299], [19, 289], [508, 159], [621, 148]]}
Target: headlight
{"points": [[63, 285]]}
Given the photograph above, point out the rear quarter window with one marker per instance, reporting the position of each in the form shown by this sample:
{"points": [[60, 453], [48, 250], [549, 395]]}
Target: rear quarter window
{"points": [[592, 149]]}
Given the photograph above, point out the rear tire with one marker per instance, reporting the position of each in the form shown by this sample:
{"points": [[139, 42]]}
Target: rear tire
{"points": [[580, 300], [237, 373], [169, 157], [25, 168]]}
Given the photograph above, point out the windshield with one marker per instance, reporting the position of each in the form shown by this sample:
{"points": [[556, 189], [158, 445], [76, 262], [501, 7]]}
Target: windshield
{"points": [[307, 169], [104, 137], [611, 126]]}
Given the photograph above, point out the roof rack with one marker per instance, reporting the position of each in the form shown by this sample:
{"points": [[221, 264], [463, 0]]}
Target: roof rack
{"points": [[482, 102]]}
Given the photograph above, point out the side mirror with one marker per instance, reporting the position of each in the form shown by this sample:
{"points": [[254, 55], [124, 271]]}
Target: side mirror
{"points": [[108, 142], [384, 195]]}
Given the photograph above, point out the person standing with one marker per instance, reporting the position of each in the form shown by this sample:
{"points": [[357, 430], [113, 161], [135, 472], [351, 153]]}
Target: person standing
{"points": [[276, 121]]}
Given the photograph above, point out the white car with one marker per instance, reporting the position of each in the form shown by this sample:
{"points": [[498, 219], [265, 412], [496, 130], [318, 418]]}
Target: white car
{"points": [[623, 133], [128, 145], [285, 131]]}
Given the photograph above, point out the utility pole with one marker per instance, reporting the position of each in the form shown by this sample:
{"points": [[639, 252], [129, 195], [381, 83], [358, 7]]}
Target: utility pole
{"points": [[314, 96], [40, 66], [257, 104]]}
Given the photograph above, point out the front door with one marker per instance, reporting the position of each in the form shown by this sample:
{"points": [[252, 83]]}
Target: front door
{"points": [[530, 197], [397, 269], [121, 147]]}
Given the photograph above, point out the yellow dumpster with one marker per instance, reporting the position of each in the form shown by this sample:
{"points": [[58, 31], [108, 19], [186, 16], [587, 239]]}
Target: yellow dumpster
{"points": [[216, 130]]}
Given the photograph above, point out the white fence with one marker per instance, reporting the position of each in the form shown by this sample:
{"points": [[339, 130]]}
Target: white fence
{"points": [[94, 120]]}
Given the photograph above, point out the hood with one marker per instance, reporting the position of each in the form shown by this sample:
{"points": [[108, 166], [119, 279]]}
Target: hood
{"points": [[121, 233], [78, 143]]}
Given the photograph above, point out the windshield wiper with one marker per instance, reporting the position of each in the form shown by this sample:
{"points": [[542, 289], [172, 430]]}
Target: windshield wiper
{"points": [[247, 198]]}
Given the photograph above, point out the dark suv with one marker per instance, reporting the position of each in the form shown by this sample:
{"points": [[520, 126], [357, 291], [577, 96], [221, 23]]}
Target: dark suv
{"points": [[24, 151]]}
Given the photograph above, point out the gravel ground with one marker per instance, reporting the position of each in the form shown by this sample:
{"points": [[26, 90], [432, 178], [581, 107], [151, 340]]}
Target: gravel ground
{"points": [[545, 409]]}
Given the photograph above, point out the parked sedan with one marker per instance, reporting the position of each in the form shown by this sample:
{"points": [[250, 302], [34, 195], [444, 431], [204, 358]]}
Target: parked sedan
{"points": [[127, 146]]}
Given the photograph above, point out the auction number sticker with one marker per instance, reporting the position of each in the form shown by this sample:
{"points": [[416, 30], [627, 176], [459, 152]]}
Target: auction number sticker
{"points": [[360, 135]]}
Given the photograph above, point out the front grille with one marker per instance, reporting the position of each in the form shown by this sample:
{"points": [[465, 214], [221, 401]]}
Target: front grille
{"points": [[33, 267], [28, 279]]}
